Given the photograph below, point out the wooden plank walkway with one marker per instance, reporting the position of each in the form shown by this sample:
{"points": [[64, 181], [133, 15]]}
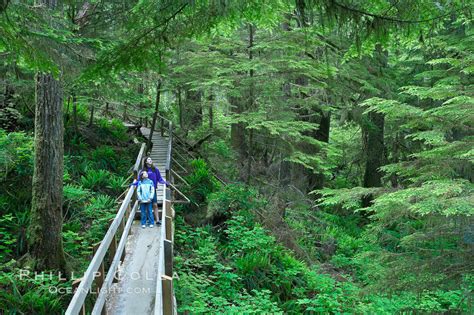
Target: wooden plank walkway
{"points": [[135, 291]]}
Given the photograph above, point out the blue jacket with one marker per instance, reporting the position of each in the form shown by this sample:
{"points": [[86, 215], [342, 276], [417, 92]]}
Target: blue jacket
{"points": [[145, 191]]}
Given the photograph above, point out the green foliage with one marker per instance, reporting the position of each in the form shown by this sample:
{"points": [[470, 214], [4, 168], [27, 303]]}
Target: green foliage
{"points": [[231, 199], [16, 154], [253, 262], [112, 129], [30, 294], [7, 239], [99, 206], [201, 182], [95, 179], [105, 158]]}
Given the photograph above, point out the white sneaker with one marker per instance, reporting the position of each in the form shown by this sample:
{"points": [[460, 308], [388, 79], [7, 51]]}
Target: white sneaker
{"points": [[151, 225], [143, 226]]}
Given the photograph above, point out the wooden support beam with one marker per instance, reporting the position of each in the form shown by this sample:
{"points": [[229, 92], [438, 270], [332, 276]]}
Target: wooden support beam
{"points": [[75, 285], [100, 275], [168, 206], [167, 291], [169, 227], [168, 246]]}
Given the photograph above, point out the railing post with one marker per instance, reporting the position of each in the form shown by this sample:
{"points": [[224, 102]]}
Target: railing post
{"points": [[167, 293], [101, 271], [168, 246], [75, 285]]}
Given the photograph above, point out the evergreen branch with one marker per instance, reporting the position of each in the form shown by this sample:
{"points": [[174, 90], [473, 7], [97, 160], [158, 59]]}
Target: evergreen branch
{"points": [[393, 19], [154, 28]]}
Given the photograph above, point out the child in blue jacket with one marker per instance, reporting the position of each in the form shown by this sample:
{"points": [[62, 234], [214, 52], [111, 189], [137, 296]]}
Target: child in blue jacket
{"points": [[145, 194]]}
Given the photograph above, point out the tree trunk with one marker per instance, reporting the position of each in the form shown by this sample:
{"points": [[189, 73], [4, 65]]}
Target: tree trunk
{"points": [[91, 118], [45, 230], [211, 111], [141, 91], [68, 115], [155, 114], [194, 108], [45, 244], [316, 181], [180, 107], [284, 171], [250, 101], [373, 135], [124, 115], [237, 130], [74, 114]]}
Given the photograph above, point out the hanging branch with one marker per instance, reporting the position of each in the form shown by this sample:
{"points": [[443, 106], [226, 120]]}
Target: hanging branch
{"points": [[392, 19]]}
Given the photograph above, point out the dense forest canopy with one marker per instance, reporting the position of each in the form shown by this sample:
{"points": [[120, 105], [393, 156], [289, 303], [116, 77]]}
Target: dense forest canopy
{"points": [[344, 130]]}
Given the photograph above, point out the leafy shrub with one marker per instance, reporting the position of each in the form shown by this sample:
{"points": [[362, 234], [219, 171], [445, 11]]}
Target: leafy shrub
{"points": [[231, 199], [104, 157], [7, 239], [95, 179], [74, 195], [22, 294], [113, 129], [16, 153], [116, 184], [74, 243], [201, 181], [77, 165], [99, 206]]}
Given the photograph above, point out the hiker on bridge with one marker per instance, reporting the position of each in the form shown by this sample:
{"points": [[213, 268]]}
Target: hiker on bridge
{"points": [[155, 176], [146, 192]]}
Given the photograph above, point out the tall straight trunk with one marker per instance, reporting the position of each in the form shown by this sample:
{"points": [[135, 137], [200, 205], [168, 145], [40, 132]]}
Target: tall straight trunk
{"points": [[45, 230], [74, 114], [155, 114], [284, 171], [68, 115], [211, 110], [180, 107], [374, 144], [194, 108], [124, 115], [373, 137], [237, 130], [91, 118], [45, 244], [141, 91], [315, 180], [250, 101]]}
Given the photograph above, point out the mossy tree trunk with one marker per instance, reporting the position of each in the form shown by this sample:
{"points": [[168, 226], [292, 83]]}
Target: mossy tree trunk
{"points": [[45, 244], [45, 230]]}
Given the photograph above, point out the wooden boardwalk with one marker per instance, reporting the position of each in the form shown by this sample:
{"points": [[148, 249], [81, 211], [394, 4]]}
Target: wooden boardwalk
{"points": [[135, 291]]}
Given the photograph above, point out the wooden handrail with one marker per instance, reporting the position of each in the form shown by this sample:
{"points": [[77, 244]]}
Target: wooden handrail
{"points": [[77, 301], [99, 303], [161, 258]]}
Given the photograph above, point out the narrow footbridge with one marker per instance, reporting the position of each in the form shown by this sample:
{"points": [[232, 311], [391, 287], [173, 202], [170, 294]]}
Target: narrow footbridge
{"points": [[131, 271]]}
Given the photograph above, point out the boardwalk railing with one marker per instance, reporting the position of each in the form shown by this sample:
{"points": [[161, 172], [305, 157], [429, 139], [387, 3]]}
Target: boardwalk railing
{"points": [[164, 299], [95, 278]]}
